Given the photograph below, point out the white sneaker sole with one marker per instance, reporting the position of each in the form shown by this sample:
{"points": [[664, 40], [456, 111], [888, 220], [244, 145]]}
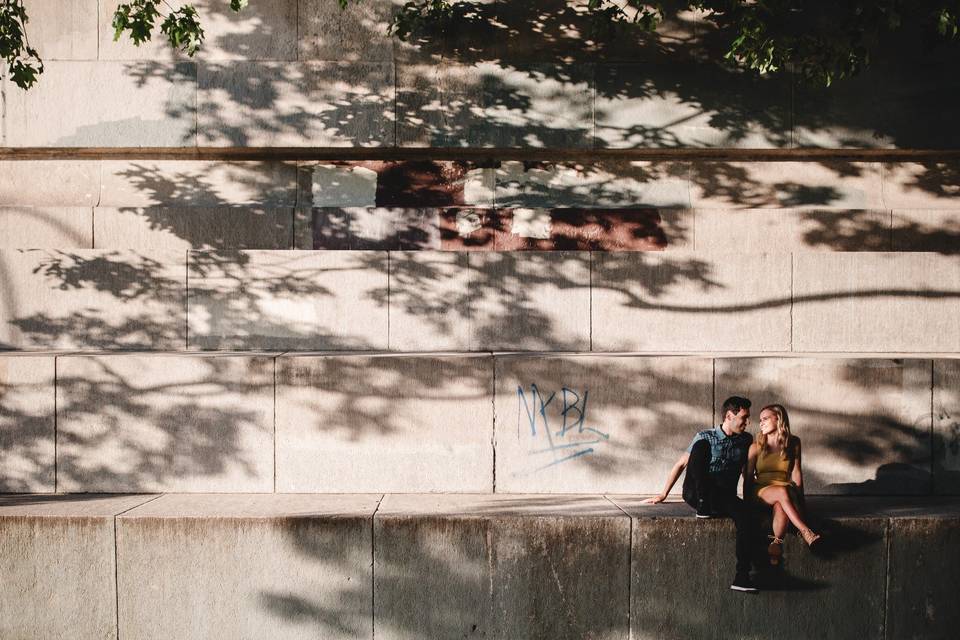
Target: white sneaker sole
{"points": [[744, 589]]}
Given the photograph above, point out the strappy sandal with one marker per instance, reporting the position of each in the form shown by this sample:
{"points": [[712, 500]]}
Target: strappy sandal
{"points": [[809, 537], [775, 550]]}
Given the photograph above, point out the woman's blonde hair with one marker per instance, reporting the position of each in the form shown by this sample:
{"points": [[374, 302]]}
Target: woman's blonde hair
{"points": [[783, 430]]}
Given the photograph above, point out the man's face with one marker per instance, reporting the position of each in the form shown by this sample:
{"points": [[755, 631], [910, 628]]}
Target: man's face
{"points": [[739, 421]]}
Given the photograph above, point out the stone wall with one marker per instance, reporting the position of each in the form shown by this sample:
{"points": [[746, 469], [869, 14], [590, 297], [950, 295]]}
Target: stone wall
{"points": [[530, 74]]}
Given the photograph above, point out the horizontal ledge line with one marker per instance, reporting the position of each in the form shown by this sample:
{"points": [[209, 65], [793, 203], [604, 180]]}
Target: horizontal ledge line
{"points": [[471, 154]]}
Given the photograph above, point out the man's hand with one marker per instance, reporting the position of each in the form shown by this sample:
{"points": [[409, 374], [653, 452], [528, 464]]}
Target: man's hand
{"points": [[655, 499]]}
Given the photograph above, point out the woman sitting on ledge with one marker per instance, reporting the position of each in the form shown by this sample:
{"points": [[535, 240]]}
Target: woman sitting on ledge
{"points": [[776, 478]]}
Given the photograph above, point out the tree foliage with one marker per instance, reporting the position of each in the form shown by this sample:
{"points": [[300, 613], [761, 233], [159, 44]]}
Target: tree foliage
{"points": [[821, 42]]}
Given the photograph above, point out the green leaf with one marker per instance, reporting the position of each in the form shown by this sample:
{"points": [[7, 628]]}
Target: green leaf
{"points": [[183, 30], [239, 5]]}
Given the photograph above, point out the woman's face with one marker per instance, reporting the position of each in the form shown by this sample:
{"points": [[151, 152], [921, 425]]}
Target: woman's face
{"points": [[768, 421]]}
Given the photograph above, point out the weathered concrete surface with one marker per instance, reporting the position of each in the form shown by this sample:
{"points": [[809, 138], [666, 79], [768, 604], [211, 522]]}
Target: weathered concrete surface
{"points": [[903, 302], [324, 184], [923, 577], [77, 183], [650, 105], [28, 227], [58, 566], [916, 185], [184, 228], [368, 229], [358, 33], [784, 230], [490, 300], [864, 424], [691, 302], [88, 299], [598, 184], [165, 423], [117, 105], [946, 427], [204, 566], [432, 301], [316, 104], [63, 29], [263, 30], [495, 104], [682, 568], [746, 185], [26, 424], [927, 230], [500, 567], [296, 300], [171, 183], [638, 414], [384, 423]]}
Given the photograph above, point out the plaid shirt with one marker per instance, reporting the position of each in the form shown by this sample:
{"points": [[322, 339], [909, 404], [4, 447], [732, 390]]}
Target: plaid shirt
{"points": [[727, 454]]}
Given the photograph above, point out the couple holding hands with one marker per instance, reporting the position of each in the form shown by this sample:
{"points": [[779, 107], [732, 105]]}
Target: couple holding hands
{"points": [[772, 477]]}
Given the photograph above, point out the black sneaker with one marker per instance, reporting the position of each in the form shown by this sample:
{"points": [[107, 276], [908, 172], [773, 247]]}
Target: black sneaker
{"points": [[703, 510], [743, 583]]}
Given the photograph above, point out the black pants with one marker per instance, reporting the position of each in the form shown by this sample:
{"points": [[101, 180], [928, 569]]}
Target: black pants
{"points": [[697, 484]]}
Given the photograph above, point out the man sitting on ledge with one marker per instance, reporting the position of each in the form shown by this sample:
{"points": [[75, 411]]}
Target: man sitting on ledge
{"points": [[714, 462]]}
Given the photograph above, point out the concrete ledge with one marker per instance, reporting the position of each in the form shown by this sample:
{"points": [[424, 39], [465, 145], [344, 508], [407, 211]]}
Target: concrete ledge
{"points": [[59, 567], [294, 566]]}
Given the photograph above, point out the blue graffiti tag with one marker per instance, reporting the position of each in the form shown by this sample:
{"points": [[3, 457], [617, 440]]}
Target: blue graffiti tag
{"points": [[573, 433]]}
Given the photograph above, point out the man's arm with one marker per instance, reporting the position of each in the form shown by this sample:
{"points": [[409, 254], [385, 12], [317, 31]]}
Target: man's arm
{"points": [[675, 472]]}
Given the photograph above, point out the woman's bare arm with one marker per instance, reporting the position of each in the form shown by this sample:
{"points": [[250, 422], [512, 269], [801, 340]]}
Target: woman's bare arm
{"points": [[675, 472], [797, 475]]}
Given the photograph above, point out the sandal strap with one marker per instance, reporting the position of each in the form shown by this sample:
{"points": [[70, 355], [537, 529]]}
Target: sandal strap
{"points": [[775, 539]]}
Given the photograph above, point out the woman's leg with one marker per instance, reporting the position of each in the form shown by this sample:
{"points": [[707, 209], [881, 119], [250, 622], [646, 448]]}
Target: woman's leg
{"points": [[779, 521], [775, 495]]}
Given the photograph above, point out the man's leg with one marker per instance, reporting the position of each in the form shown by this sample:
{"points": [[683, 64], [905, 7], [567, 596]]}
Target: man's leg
{"points": [[745, 522], [696, 482]]}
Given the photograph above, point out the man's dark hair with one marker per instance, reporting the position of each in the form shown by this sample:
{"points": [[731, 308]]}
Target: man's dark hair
{"points": [[735, 404]]}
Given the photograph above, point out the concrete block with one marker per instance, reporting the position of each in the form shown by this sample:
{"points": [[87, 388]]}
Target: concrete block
{"points": [[598, 184], [206, 566], [117, 105], [369, 228], [923, 579], [500, 567], [946, 427], [296, 300], [490, 301], [927, 230], [90, 299], [63, 29], [495, 104], [184, 228], [431, 294], [263, 30], [751, 185], [28, 227], [791, 230], [358, 32], [675, 104], [864, 424], [59, 570], [691, 302], [681, 570], [318, 104], [897, 105], [596, 424], [26, 424], [165, 183], [871, 302], [917, 185], [165, 423], [77, 183], [404, 424], [336, 185]]}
